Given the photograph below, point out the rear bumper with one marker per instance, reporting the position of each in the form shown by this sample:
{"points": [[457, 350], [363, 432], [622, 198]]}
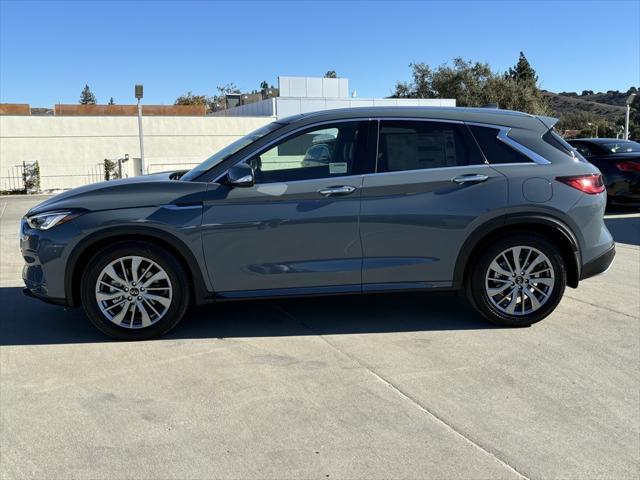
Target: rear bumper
{"points": [[599, 264]]}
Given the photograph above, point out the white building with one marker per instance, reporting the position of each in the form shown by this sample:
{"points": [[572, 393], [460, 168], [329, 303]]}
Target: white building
{"points": [[311, 94]]}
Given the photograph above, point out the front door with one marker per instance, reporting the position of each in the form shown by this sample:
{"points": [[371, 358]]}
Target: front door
{"points": [[296, 229], [430, 190]]}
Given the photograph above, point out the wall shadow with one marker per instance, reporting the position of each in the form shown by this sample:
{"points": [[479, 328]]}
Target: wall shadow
{"points": [[27, 321]]}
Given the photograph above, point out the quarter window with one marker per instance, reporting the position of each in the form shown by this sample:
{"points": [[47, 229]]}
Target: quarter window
{"points": [[321, 152], [494, 149], [416, 145]]}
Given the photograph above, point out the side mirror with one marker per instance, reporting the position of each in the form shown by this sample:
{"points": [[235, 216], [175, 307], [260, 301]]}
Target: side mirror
{"points": [[240, 176]]}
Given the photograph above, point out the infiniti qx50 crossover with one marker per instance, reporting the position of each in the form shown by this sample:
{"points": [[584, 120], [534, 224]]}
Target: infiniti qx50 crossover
{"points": [[490, 202]]}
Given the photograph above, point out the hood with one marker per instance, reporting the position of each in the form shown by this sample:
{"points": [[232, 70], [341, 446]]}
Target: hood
{"points": [[143, 191]]}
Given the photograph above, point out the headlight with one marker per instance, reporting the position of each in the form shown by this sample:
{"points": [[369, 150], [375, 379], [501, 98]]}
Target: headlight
{"points": [[45, 221]]}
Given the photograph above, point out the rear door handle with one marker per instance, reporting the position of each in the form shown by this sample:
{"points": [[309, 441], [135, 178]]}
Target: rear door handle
{"points": [[337, 191], [470, 178]]}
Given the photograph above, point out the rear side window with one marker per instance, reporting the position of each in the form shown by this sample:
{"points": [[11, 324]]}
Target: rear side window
{"points": [[416, 145], [555, 140], [494, 149]]}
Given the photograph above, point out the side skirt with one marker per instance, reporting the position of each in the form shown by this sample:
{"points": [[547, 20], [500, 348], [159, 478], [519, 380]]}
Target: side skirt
{"points": [[333, 290]]}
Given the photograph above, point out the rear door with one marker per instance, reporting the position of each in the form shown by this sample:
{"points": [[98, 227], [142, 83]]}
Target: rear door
{"points": [[431, 188]]}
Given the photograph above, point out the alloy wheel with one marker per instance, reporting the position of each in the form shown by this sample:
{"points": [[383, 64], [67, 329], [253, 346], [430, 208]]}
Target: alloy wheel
{"points": [[133, 292], [519, 280]]}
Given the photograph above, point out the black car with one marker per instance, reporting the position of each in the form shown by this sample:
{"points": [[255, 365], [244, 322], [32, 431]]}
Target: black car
{"points": [[619, 162]]}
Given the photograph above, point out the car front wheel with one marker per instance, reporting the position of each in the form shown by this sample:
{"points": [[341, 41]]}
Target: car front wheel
{"points": [[517, 280], [134, 291]]}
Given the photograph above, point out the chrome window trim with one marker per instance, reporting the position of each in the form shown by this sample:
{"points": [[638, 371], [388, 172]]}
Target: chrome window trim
{"points": [[290, 134], [437, 169]]}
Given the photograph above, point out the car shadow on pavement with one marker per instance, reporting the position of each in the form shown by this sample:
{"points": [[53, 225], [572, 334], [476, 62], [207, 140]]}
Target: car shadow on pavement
{"points": [[624, 228], [27, 321]]}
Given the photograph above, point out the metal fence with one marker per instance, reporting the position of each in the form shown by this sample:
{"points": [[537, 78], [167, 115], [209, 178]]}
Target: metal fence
{"points": [[15, 179]]}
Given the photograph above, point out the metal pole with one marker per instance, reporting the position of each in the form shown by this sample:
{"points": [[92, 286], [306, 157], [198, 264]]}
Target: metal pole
{"points": [[142, 166], [626, 122]]}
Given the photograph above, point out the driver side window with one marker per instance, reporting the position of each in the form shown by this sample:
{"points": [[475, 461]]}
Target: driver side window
{"points": [[320, 152]]}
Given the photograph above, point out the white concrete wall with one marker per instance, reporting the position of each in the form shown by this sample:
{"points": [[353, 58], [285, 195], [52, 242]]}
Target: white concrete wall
{"points": [[71, 150], [293, 106]]}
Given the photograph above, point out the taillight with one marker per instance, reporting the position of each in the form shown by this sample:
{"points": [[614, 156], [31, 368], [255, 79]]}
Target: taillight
{"points": [[591, 183], [628, 166]]}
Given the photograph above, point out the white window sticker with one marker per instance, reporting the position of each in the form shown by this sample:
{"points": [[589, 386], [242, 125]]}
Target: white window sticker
{"points": [[337, 167]]}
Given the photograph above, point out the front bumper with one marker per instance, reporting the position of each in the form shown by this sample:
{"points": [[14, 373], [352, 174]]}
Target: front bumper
{"points": [[44, 298], [43, 271], [599, 264]]}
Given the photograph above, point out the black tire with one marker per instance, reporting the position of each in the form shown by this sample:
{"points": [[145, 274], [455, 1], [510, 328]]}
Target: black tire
{"points": [[177, 276], [479, 298]]}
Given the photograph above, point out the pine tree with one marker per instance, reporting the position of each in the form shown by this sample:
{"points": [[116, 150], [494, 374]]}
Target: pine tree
{"points": [[87, 97], [111, 102], [523, 71], [264, 85]]}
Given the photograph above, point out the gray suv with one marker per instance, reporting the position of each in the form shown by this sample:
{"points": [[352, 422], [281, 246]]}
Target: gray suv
{"points": [[343, 201]]}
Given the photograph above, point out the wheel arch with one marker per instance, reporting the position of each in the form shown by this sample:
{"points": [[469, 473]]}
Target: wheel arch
{"points": [[83, 252], [550, 227]]}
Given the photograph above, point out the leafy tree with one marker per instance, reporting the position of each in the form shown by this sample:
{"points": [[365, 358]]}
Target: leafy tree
{"points": [[264, 85], [523, 71], [331, 74], [213, 103], [111, 102], [191, 99], [87, 97], [473, 84]]}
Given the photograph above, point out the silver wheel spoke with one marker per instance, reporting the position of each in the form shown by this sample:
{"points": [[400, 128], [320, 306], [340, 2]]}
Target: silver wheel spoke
{"points": [[124, 299], [146, 321], [154, 278], [103, 297], [511, 307], [544, 281], [121, 314], [535, 304], [495, 291], [540, 258], [516, 259], [497, 268], [110, 271], [156, 298], [135, 265]]}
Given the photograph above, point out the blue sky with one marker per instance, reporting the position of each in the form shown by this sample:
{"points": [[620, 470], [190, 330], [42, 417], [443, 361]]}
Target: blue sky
{"points": [[49, 50]]}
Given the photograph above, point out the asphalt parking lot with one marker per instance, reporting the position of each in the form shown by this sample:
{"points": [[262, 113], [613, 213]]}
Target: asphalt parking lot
{"points": [[388, 386]]}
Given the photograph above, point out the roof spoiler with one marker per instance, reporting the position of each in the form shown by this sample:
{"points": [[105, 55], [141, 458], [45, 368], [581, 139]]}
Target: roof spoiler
{"points": [[548, 122]]}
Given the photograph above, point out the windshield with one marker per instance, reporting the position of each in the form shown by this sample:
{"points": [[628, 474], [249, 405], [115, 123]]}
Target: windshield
{"points": [[229, 150], [622, 147]]}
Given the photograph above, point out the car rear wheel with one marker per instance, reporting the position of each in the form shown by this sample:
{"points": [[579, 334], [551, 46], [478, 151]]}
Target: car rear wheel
{"points": [[518, 280], [134, 291]]}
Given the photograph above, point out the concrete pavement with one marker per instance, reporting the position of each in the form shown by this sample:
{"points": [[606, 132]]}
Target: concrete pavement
{"points": [[387, 386]]}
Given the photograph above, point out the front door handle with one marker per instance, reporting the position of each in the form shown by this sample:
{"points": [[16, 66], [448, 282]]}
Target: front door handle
{"points": [[470, 178], [337, 191]]}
